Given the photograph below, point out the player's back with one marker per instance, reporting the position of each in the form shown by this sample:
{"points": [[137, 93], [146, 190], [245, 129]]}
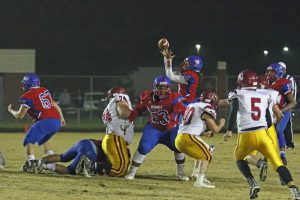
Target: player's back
{"points": [[189, 90], [253, 104], [192, 122], [113, 122], [40, 104]]}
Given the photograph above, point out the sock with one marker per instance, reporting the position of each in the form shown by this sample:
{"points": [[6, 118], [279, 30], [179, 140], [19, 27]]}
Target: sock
{"points": [[244, 169], [179, 158], [284, 174], [31, 157], [138, 159], [50, 152], [51, 166]]}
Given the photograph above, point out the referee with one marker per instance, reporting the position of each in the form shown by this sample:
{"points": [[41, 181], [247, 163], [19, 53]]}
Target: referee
{"points": [[288, 132]]}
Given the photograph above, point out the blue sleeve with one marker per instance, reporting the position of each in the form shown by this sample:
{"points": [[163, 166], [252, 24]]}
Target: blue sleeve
{"points": [[26, 102], [190, 79], [178, 100]]}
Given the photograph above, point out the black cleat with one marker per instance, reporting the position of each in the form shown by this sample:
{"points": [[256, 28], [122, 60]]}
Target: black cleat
{"points": [[294, 192], [254, 188], [263, 169]]}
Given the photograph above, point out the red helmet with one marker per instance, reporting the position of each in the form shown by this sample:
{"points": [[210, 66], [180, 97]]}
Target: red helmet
{"points": [[247, 78], [263, 82], [210, 96], [115, 90]]}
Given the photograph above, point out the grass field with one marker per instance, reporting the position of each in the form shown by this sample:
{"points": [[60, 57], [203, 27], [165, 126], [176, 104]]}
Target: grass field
{"points": [[155, 179]]}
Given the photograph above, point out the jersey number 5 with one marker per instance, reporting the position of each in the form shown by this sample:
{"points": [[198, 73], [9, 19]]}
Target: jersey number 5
{"points": [[255, 110]]}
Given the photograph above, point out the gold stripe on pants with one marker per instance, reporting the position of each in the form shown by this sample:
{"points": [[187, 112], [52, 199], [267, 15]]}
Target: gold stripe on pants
{"points": [[115, 148], [193, 146]]}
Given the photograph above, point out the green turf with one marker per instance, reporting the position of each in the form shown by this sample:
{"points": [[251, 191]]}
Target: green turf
{"points": [[155, 179]]}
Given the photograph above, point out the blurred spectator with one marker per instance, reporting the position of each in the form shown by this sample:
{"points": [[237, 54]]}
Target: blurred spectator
{"points": [[65, 98]]}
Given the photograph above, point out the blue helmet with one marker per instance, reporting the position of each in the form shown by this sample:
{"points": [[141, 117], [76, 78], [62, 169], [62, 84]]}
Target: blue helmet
{"points": [[30, 80], [194, 63], [278, 69], [162, 86]]}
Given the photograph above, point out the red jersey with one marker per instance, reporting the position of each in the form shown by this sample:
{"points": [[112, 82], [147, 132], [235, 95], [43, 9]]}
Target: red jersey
{"points": [[160, 110], [189, 91], [283, 86], [40, 104]]}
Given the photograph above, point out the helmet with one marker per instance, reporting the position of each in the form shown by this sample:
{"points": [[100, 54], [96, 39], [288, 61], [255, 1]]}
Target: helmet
{"points": [[114, 91], [263, 82], [247, 78], [161, 86], [30, 80], [211, 97], [275, 71], [194, 63]]}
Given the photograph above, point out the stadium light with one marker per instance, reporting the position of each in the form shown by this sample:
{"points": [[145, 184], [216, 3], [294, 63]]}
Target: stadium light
{"points": [[286, 49], [266, 52], [198, 46]]}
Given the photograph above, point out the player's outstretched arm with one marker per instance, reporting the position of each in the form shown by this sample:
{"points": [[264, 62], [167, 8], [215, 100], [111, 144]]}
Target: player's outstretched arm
{"points": [[62, 119], [168, 56], [123, 109], [18, 114], [212, 124]]}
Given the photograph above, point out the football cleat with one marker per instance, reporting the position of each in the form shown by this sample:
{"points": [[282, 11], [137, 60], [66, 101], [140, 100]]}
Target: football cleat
{"points": [[86, 167], [131, 173], [180, 173], [263, 169], [254, 188], [202, 182], [31, 166], [294, 192], [283, 157]]}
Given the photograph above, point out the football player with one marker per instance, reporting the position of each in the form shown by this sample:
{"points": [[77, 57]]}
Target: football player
{"points": [[288, 132], [119, 131], [86, 155], [196, 118], [46, 114], [161, 128], [252, 135], [263, 84], [275, 73], [188, 80]]}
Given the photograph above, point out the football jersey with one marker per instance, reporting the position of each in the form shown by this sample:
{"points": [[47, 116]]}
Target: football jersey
{"points": [[188, 91], [115, 124], [40, 104], [283, 86], [275, 96], [161, 111], [192, 122], [252, 108]]}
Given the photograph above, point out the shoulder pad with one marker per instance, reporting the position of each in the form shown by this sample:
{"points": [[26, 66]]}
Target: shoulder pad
{"points": [[210, 110]]}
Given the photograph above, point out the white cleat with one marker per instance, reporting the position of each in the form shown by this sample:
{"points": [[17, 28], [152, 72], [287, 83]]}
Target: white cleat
{"points": [[130, 176], [203, 185], [183, 178], [203, 182]]}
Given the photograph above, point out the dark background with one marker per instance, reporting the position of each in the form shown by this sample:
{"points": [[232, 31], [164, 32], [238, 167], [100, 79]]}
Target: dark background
{"points": [[97, 37]]}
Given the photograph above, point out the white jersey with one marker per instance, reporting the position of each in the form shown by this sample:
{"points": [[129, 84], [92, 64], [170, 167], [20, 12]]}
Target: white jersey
{"points": [[115, 124], [253, 104], [192, 122], [275, 99]]}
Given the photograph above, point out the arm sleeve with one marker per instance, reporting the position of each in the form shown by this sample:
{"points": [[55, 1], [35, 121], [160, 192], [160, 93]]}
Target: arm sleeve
{"points": [[178, 105], [171, 75], [234, 107]]}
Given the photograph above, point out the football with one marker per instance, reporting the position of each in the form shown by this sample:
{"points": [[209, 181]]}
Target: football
{"points": [[163, 43]]}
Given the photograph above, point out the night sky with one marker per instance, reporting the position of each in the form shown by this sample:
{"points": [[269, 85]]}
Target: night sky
{"points": [[97, 37]]}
